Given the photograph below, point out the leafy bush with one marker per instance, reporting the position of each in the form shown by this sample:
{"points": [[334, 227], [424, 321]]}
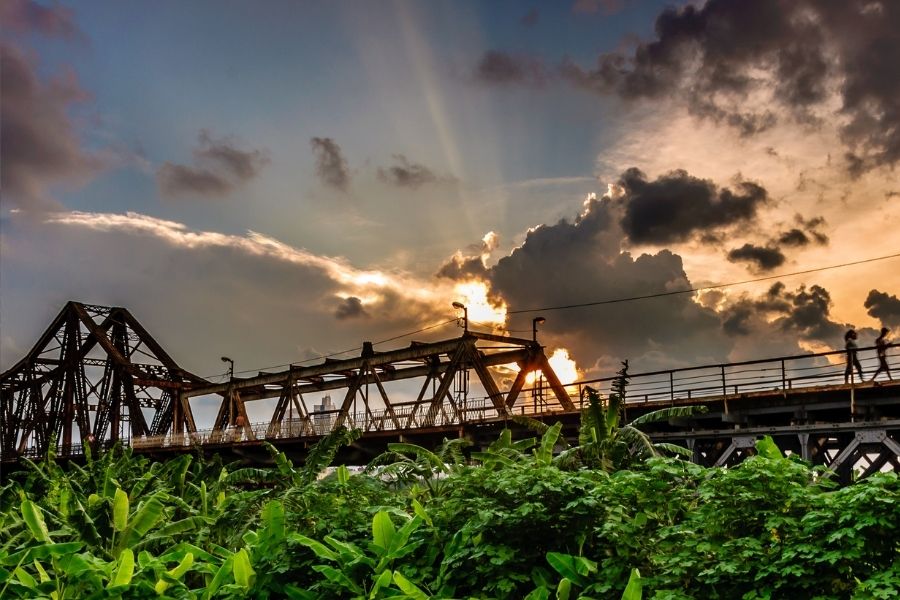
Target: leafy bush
{"points": [[510, 522]]}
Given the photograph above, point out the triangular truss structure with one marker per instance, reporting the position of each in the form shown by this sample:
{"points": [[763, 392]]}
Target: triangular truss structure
{"points": [[443, 368], [95, 376]]}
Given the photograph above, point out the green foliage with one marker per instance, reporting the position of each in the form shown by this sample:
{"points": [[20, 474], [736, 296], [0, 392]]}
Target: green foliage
{"points": [[513, 521]]}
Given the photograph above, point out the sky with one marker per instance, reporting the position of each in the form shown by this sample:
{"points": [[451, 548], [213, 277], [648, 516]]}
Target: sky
{"points": [[276, 181]]}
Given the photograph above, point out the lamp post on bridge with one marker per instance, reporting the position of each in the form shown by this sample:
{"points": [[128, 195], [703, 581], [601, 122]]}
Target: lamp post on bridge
{"points": [[534, 325], [230, 367], [462, 307]]}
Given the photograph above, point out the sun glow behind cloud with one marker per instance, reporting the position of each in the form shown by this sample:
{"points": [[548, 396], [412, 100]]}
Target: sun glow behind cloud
{"points": [[371, 286], [482, 309], [565, 368]]}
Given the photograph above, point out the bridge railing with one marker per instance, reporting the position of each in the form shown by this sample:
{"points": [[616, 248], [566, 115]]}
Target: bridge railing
{"points": [[404, 416], [691, 383], [733, 379]]}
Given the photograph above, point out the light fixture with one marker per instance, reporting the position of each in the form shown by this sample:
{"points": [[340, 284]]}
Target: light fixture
{"points": [[534, 324], [462, 307], [230, 367]]}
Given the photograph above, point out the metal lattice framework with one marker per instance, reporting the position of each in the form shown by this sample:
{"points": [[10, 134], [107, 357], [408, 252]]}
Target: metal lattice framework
{"points": [[95, 376], [363, 379]]}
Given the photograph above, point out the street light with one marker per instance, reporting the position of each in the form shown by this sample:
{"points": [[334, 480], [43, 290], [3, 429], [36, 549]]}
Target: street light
{"points": [[534, 323], [230, 368], [462, 307]]}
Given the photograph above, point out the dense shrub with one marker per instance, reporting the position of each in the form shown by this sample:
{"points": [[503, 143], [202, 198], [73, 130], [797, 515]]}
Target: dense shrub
{"points": [[512, 524]]}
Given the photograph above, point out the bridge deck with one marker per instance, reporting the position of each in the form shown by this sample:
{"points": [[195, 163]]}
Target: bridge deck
{"points": [[80, 380]]}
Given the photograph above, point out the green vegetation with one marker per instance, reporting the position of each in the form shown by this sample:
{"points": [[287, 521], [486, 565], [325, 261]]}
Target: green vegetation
{"points": [[610, 518]]}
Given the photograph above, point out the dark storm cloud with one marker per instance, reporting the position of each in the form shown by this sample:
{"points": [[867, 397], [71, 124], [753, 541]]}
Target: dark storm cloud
{"points": [[531, 18], [409, 174], [472, 265], [802, 315], [461, 267], [677, 205], [797, 237], [771, 255], [219, 167], [736, 319], [884, 307], [349, 308], [764, 258], [793, 237], [331, 166], [501, 67], [176, 180], [803, 52], [715, 46], [239, 164], [27, 16], [38, 141], [580, 260], [804, 233], [810, 315], [746, 123]]}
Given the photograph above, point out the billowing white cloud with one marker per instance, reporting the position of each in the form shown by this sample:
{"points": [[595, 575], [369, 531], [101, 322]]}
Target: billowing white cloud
{"points": [[255, 297]]}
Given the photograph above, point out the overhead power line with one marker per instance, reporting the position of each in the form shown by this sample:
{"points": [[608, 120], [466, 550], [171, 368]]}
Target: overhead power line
{"points": [[356, 349], [699, 288], [581, 305]]}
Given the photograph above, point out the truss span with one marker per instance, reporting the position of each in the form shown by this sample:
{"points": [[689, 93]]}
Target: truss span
{"points": [[96, 377]]}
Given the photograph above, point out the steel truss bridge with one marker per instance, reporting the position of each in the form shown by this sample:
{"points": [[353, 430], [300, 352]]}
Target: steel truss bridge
{"points": [[97, 377]]}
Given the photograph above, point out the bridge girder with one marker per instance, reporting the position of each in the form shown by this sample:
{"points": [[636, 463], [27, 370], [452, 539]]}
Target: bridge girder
{"points": [[437, 363], [82, 383]]}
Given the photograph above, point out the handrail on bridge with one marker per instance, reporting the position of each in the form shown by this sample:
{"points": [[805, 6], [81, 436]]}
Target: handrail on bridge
{"points": [[704, 382], [719, 380], [726, 379]]}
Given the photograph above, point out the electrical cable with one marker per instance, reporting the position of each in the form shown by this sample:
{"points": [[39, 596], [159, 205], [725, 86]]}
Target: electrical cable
{"points": [[585, 305], [356, 349], [699, 288]]}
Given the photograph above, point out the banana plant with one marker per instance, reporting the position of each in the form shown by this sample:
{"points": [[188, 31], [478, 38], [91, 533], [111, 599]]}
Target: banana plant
{"points": [[504, 452], [350, 571], [604, 443], [575, 573], [45, 568], [410, 464]]}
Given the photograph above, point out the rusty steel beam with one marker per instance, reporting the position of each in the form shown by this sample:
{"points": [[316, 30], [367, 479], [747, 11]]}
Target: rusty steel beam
{"points": [[491, 360], [50, 392], [331, 367], [416, 351]]}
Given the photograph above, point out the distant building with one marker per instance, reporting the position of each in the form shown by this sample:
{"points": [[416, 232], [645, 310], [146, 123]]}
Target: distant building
{"points": [[322, 415]]}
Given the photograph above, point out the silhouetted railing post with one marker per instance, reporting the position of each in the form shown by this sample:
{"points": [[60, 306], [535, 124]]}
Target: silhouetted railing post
{"points": [[852, 390], [672, 386], [724, 387], [783, 376]]}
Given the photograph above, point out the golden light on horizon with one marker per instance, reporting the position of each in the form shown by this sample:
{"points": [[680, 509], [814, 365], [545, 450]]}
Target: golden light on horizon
{"points": [[565, 368], [482, 309]]}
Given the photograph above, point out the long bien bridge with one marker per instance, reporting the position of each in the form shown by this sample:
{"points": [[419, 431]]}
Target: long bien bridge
{"points": [[97, 377]]}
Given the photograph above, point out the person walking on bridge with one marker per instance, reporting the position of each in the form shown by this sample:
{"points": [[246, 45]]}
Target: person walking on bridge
{"points": [[852, 359], [881, 346]]}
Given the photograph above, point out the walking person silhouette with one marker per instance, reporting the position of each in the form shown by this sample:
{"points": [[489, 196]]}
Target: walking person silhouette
{"points": [[881, 346], [852, 359]]}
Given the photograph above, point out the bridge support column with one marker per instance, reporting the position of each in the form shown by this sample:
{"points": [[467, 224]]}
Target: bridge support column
{"points": [[804, 445], [871, 441], [739, 443]]}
